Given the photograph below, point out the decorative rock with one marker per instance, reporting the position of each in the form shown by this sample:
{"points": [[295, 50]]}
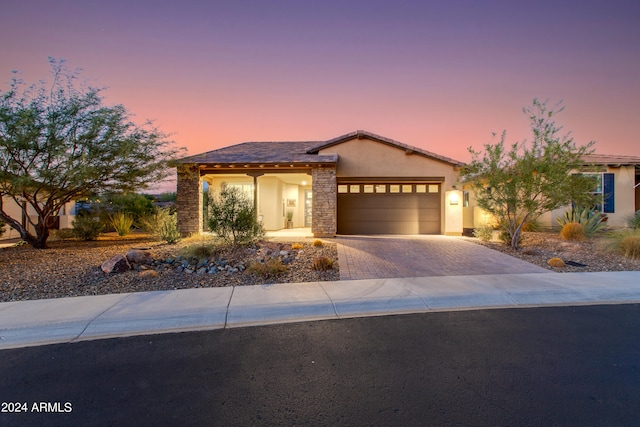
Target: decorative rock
{"points": [[139, 256], [116, 264], [556, 262], [202, 263], [188, 270], [202, 270], [284, 253], [149, 274]]}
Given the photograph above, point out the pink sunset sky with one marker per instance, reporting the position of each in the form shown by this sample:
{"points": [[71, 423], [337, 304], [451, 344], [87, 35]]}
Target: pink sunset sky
{"points": [[440, 75]]}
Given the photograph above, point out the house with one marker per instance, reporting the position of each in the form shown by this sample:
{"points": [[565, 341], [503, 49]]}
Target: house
{"points": [[617, 193], [63, 220], [358, 183]]}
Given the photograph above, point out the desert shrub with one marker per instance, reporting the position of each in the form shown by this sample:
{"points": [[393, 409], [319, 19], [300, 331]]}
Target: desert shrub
{"points": [[272, 268], [626, 242], [151, 222], [168, 230], [121, 222], [484, 232], [317, 242], [634, 221], [556, 262], [322, 264], [590, 219], [87, 227], [2, 227], [135, 205], [531, 226], [630, 246], [201, 250], [233, 218], [572, 231], [62, 234], [296, 246]]}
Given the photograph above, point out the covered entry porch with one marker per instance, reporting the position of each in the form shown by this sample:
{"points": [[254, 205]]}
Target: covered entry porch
{"points": [[283, 200]]}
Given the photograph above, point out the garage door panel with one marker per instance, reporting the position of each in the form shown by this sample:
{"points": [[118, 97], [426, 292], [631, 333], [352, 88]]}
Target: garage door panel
{"points": [[389, 213]]}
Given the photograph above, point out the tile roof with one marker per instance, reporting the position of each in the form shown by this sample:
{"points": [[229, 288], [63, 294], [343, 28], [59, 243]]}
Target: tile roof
{"points": [[263, 152], [612, 160], [298, 151]]}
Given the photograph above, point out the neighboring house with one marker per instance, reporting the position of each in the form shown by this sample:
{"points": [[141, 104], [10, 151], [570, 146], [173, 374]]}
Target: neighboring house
{"points": [[358, 183], [617, 192], [63, 220]]}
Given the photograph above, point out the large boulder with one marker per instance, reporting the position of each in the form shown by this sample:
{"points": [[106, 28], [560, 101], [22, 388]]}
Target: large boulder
{"points": [[116, 264], [139, 256]]}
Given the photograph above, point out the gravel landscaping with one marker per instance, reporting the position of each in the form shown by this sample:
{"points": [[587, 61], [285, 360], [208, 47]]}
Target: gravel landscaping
{"points": [[592, 254], [73, 268]]}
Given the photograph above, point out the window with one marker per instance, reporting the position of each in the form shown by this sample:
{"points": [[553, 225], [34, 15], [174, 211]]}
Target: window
{"points": [[604, 192], [465, 199]]}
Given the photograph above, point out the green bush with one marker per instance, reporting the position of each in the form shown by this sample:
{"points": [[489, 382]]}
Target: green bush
{"points": [[168, 230], [233, 218], [634, 221], [152, 222], [592, 221], [484, 232], [626, 242], [135, 205], [87, 227], [121, 222]]}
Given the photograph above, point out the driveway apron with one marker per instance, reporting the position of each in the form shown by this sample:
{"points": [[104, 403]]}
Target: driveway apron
{"points": [[379, 257]]}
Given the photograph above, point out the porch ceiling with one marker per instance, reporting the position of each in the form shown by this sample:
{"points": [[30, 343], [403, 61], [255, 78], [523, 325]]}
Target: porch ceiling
{"points": [[291, 178]]}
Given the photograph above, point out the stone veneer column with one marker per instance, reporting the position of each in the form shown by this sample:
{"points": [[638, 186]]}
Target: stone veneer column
{"points": [[189, 200], [325, 202]]}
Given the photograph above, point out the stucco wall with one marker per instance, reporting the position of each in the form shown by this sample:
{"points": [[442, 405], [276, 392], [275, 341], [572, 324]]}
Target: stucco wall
{"points": [[368, 158], [364, 157]]}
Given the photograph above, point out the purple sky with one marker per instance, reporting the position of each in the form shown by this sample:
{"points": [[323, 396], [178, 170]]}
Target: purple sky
{"points": [[438, 75]]}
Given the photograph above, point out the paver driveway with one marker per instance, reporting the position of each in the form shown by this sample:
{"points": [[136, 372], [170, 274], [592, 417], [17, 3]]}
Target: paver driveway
{"points": [[378, 257]]}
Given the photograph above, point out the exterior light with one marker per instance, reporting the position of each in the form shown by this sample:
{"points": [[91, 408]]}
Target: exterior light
{"points": [[453, 199]]}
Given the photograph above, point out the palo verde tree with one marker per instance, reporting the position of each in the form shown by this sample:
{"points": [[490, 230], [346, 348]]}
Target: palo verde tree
{"points": [[60, 142], [520, 183]]}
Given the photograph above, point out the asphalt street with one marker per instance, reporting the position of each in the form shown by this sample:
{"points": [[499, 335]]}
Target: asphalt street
{"points": [[506, 367]]}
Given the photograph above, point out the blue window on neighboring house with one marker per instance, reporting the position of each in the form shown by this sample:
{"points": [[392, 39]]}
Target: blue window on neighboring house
{"points": [[608, 187], [605, 193]]}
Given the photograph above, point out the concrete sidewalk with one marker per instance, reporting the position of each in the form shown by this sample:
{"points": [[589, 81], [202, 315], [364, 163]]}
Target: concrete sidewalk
{"points": [[30, 323]]}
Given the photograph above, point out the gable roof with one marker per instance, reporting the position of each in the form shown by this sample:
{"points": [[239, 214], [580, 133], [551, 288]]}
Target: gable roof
{"points": [[290, 152], [362, 134]]}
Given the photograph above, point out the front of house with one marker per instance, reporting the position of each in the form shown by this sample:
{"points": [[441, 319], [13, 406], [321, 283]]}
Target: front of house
{"points": [[363, 183], [358, 183]]}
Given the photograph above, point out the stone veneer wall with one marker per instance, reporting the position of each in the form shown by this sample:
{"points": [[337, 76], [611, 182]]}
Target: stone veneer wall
{"points": [[189, 200], [325, 189]]}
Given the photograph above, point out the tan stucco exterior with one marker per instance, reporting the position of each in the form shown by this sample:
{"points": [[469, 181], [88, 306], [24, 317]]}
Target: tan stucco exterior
{"points": [[367, 158]]}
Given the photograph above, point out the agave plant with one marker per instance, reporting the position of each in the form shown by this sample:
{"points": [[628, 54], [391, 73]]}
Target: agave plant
{"points": [[590, 219]]}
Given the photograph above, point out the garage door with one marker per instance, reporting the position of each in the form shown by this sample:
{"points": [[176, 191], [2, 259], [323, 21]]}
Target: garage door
{"points": [[391, 208]]}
